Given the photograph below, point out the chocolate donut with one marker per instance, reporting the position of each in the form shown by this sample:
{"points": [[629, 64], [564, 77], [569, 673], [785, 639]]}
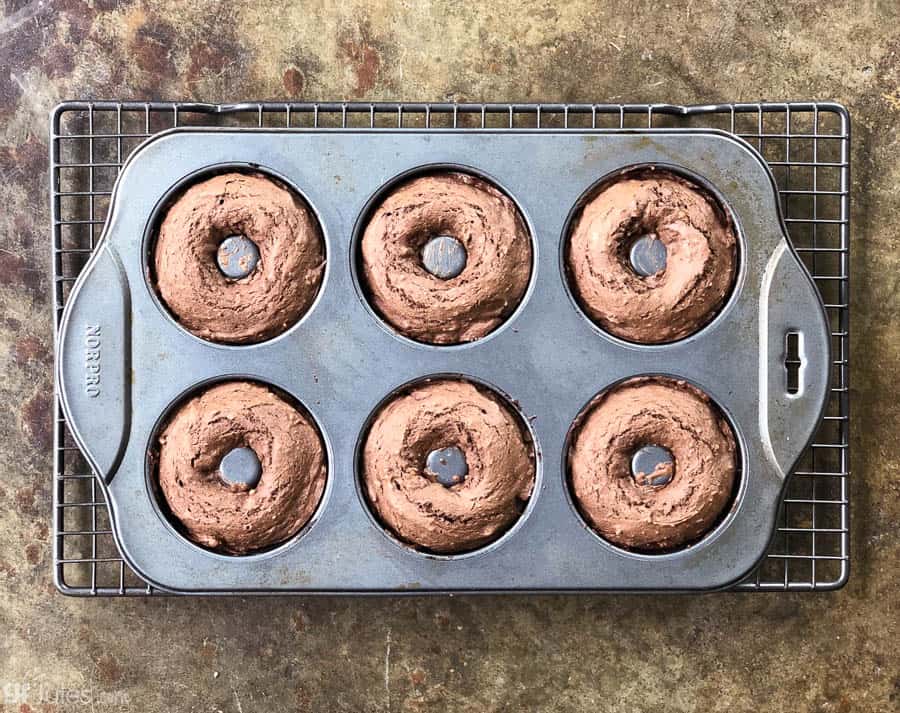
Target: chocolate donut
{"points": [[700, 257], [467, 511], [677, 503], [446, 310], [274, 295], [234, 517]]}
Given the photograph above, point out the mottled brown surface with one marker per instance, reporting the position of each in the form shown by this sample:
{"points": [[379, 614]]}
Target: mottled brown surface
{"points": [[822, 653]]}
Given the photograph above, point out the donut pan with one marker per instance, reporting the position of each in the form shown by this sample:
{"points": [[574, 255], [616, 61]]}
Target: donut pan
{"points": [[123, 362]]}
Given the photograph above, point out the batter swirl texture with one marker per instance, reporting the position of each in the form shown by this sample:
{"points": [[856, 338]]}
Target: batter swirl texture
{"points": [[470, 305], [700, 265], [229, 517], [276, 294], [629, 511], [407, 497]]}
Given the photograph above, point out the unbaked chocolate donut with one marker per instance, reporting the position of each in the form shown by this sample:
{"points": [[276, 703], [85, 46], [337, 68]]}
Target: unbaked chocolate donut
{"points": [[469, 305], [233, 517], [700, 247], [626, 508], [408, 497], [274, 295]]}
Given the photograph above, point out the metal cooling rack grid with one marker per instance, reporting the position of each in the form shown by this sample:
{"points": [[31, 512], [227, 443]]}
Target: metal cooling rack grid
{"points": [[807, 146]]}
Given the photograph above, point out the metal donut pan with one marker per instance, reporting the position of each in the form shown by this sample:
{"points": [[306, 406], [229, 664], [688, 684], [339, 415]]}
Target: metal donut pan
{"points": [[123, 362]]}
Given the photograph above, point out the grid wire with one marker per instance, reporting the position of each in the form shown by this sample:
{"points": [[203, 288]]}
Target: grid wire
{"points": [[806, 145]]}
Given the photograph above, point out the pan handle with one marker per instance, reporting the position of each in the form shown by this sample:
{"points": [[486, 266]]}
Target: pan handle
{"points": [[795, 340], [94, 362]]}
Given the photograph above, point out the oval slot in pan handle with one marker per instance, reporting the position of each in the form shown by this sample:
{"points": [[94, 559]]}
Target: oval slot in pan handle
{"points": [[795, 361]]}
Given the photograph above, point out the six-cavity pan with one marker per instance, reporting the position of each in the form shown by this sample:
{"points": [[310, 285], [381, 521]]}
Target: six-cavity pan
{"points": [[476, 398]]}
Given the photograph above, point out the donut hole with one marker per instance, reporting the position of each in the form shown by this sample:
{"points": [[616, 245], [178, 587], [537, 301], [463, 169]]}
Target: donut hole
{"points": [[447, 466], [237, 256], [443, 256], [639, 248], [240, 468], [647, 255], [652, 465], [446, 454]]}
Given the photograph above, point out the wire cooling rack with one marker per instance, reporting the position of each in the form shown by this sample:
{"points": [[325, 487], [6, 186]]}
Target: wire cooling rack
{"points": [[806, 145]]}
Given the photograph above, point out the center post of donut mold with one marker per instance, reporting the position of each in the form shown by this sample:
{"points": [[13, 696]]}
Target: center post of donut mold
{"points": [[237, 256], [240, 466], [648, 255], [444, 256], [448, 465], [653, 465]]}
